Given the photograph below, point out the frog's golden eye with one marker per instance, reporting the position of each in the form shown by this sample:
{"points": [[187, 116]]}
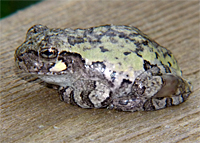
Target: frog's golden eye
{"points": [[49, 53]]}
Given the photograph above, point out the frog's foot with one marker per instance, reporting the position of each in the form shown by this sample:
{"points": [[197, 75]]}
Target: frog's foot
{"points": [[91, 94], [175, 90]]}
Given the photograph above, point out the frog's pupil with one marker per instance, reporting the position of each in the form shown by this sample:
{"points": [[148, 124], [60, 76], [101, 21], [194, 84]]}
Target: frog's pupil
{"points": [[48, 53]]}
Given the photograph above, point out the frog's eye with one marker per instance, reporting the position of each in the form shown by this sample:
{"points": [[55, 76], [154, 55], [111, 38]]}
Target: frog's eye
{"points": [[49, 53]]}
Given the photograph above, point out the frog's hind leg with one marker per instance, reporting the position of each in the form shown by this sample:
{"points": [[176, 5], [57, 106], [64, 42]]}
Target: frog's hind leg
{"points": [[174, 91], [153, 90]]}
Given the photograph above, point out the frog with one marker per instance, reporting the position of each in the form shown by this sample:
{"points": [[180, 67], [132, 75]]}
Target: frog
{"points": [[108, 66]]}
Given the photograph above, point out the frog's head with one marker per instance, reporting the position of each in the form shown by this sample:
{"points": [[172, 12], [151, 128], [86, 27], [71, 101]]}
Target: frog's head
{"points": [[43, 53]]}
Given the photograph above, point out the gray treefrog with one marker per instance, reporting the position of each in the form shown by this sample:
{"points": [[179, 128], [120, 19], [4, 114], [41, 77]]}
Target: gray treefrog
{"points": [[115, 67]]}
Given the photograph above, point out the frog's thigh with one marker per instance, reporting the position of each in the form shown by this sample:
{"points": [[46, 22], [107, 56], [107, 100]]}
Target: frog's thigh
{"points": [[87, 94], [145, 86], [174, 91]]}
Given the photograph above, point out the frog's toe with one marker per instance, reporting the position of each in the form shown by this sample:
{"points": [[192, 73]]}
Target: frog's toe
{"points": [[66, 94]]}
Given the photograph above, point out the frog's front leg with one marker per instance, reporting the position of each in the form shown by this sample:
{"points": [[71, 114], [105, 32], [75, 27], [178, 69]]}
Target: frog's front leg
{"points": [[153, 90], [86, 94]]}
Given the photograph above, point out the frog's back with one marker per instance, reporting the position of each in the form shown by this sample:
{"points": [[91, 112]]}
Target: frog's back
{"points": [[121, 48]]}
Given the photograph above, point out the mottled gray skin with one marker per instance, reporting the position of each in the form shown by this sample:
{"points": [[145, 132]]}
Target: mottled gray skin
{"points": [[116, 67]]}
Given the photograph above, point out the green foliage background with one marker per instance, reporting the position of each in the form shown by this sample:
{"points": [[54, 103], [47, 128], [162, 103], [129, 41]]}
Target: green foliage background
{"points": [[10, 6]]}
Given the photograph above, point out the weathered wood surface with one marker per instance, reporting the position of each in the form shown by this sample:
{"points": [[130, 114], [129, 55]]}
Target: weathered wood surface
{"points": [[31, 112]]}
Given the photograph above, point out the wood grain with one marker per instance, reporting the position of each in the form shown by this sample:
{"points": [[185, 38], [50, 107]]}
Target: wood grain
{"points": [[31, 112]]}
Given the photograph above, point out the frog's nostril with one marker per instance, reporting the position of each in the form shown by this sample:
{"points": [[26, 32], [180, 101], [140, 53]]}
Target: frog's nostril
{"points": [[32, 52]]}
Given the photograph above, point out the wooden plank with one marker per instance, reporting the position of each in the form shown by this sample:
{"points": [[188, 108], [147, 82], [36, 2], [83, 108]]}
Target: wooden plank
{"points": [[31, 112]]}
